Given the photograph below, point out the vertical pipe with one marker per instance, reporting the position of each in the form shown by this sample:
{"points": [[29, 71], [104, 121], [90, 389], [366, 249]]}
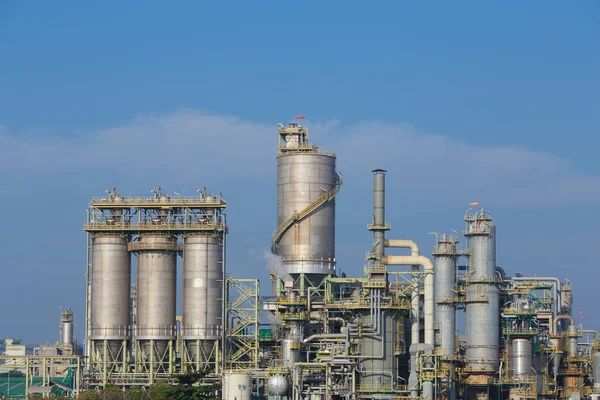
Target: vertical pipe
{"points": [[224, 295], [378, 212], [414, 307]]}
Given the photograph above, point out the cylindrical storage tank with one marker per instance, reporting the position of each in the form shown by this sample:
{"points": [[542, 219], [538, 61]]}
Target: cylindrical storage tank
{"points": [[445, 280], [277, 385], [309, 245], [237, 385], [111, 282], [202, 293], [520, 358], [156, 292], [482, 296], [596, 369]]}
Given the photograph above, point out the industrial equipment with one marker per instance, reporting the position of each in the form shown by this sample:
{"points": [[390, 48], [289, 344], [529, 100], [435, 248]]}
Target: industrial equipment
{"points": [[392, 333]]}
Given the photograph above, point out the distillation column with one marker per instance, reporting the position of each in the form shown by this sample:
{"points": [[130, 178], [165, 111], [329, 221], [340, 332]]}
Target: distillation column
{"points": [[202, 298], [156, 301], [482, 304], [445, 255]]}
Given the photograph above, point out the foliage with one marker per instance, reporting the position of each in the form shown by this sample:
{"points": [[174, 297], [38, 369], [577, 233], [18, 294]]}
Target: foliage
{"points": [[187, 387]]}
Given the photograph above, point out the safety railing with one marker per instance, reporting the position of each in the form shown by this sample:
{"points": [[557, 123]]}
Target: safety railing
{"points": [[190, 331], [100, 331], [152, 226], [150, 202], [372, 226], [154, 330], [298, 217]]}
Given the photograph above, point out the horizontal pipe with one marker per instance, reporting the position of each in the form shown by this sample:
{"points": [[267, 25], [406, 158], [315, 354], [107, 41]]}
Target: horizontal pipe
{"points": [[325, 336], [403, 244]]}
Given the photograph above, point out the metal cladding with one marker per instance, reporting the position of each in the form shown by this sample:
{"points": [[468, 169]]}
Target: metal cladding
{"points": [[304, 176], [237, 385], [379, 367], [445, 255], [156, 288], [202, 303], [596, 369], [520, 357], [67, 325], [110, 292], [378, 226], [482, 295], [277, 385]]}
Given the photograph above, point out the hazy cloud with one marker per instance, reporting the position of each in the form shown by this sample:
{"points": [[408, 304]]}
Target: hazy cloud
{"points": [[426, 165]]}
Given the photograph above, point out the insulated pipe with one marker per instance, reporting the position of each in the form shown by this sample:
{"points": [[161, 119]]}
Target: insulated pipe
{"points": [[414, 300], [429, 294], [558, 318], [414, 307], [403, 244], [325, 336]]}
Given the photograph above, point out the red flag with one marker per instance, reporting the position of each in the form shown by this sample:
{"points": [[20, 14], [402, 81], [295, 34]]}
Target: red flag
{"points": [[474, 204], [299, 117]]}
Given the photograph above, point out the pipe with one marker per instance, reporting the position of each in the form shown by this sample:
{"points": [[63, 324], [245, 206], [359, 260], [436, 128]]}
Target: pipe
{"points": [[339, 319], [558, 318], [414, 308], [378, 212], [555, 289], [324, 336], [429, 294], [403, 244], [414, 302]]}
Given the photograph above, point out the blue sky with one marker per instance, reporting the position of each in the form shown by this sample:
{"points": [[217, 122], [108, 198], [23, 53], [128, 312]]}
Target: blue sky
{"points": [[460, 101]]}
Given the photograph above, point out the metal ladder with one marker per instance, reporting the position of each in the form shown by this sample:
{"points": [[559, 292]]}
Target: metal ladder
{"points": [[306, 212]]}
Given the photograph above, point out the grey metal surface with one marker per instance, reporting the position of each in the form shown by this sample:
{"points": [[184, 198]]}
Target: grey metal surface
{"points": [[379, 367], [378, 211], [202, 285], [308, 246], [67, 322], [290, 351], [277, 385], [482, 296], [67, 333], [237, 385], [520, 357], [445, 278], [111, 277], [596, 369], [156, 291]]}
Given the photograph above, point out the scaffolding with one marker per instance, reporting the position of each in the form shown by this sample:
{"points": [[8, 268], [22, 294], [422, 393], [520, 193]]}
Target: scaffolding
{"points": [[242, 319]]}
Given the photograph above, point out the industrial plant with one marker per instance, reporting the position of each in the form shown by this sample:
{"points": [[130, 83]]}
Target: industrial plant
{"points": [[314, 334]]}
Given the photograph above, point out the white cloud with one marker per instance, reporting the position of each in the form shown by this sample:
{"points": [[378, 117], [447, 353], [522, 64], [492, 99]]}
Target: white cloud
{"points": [[425, 166]]}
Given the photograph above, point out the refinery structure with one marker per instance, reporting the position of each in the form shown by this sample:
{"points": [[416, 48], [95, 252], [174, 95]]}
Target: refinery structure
{"points": [[314, 334]]}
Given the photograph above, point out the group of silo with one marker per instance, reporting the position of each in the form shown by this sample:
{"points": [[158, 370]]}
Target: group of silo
{"points": [[111, 333]]}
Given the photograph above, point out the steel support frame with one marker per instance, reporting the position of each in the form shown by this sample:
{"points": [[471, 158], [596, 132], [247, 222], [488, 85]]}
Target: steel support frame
{"points": [[242, 339]]}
